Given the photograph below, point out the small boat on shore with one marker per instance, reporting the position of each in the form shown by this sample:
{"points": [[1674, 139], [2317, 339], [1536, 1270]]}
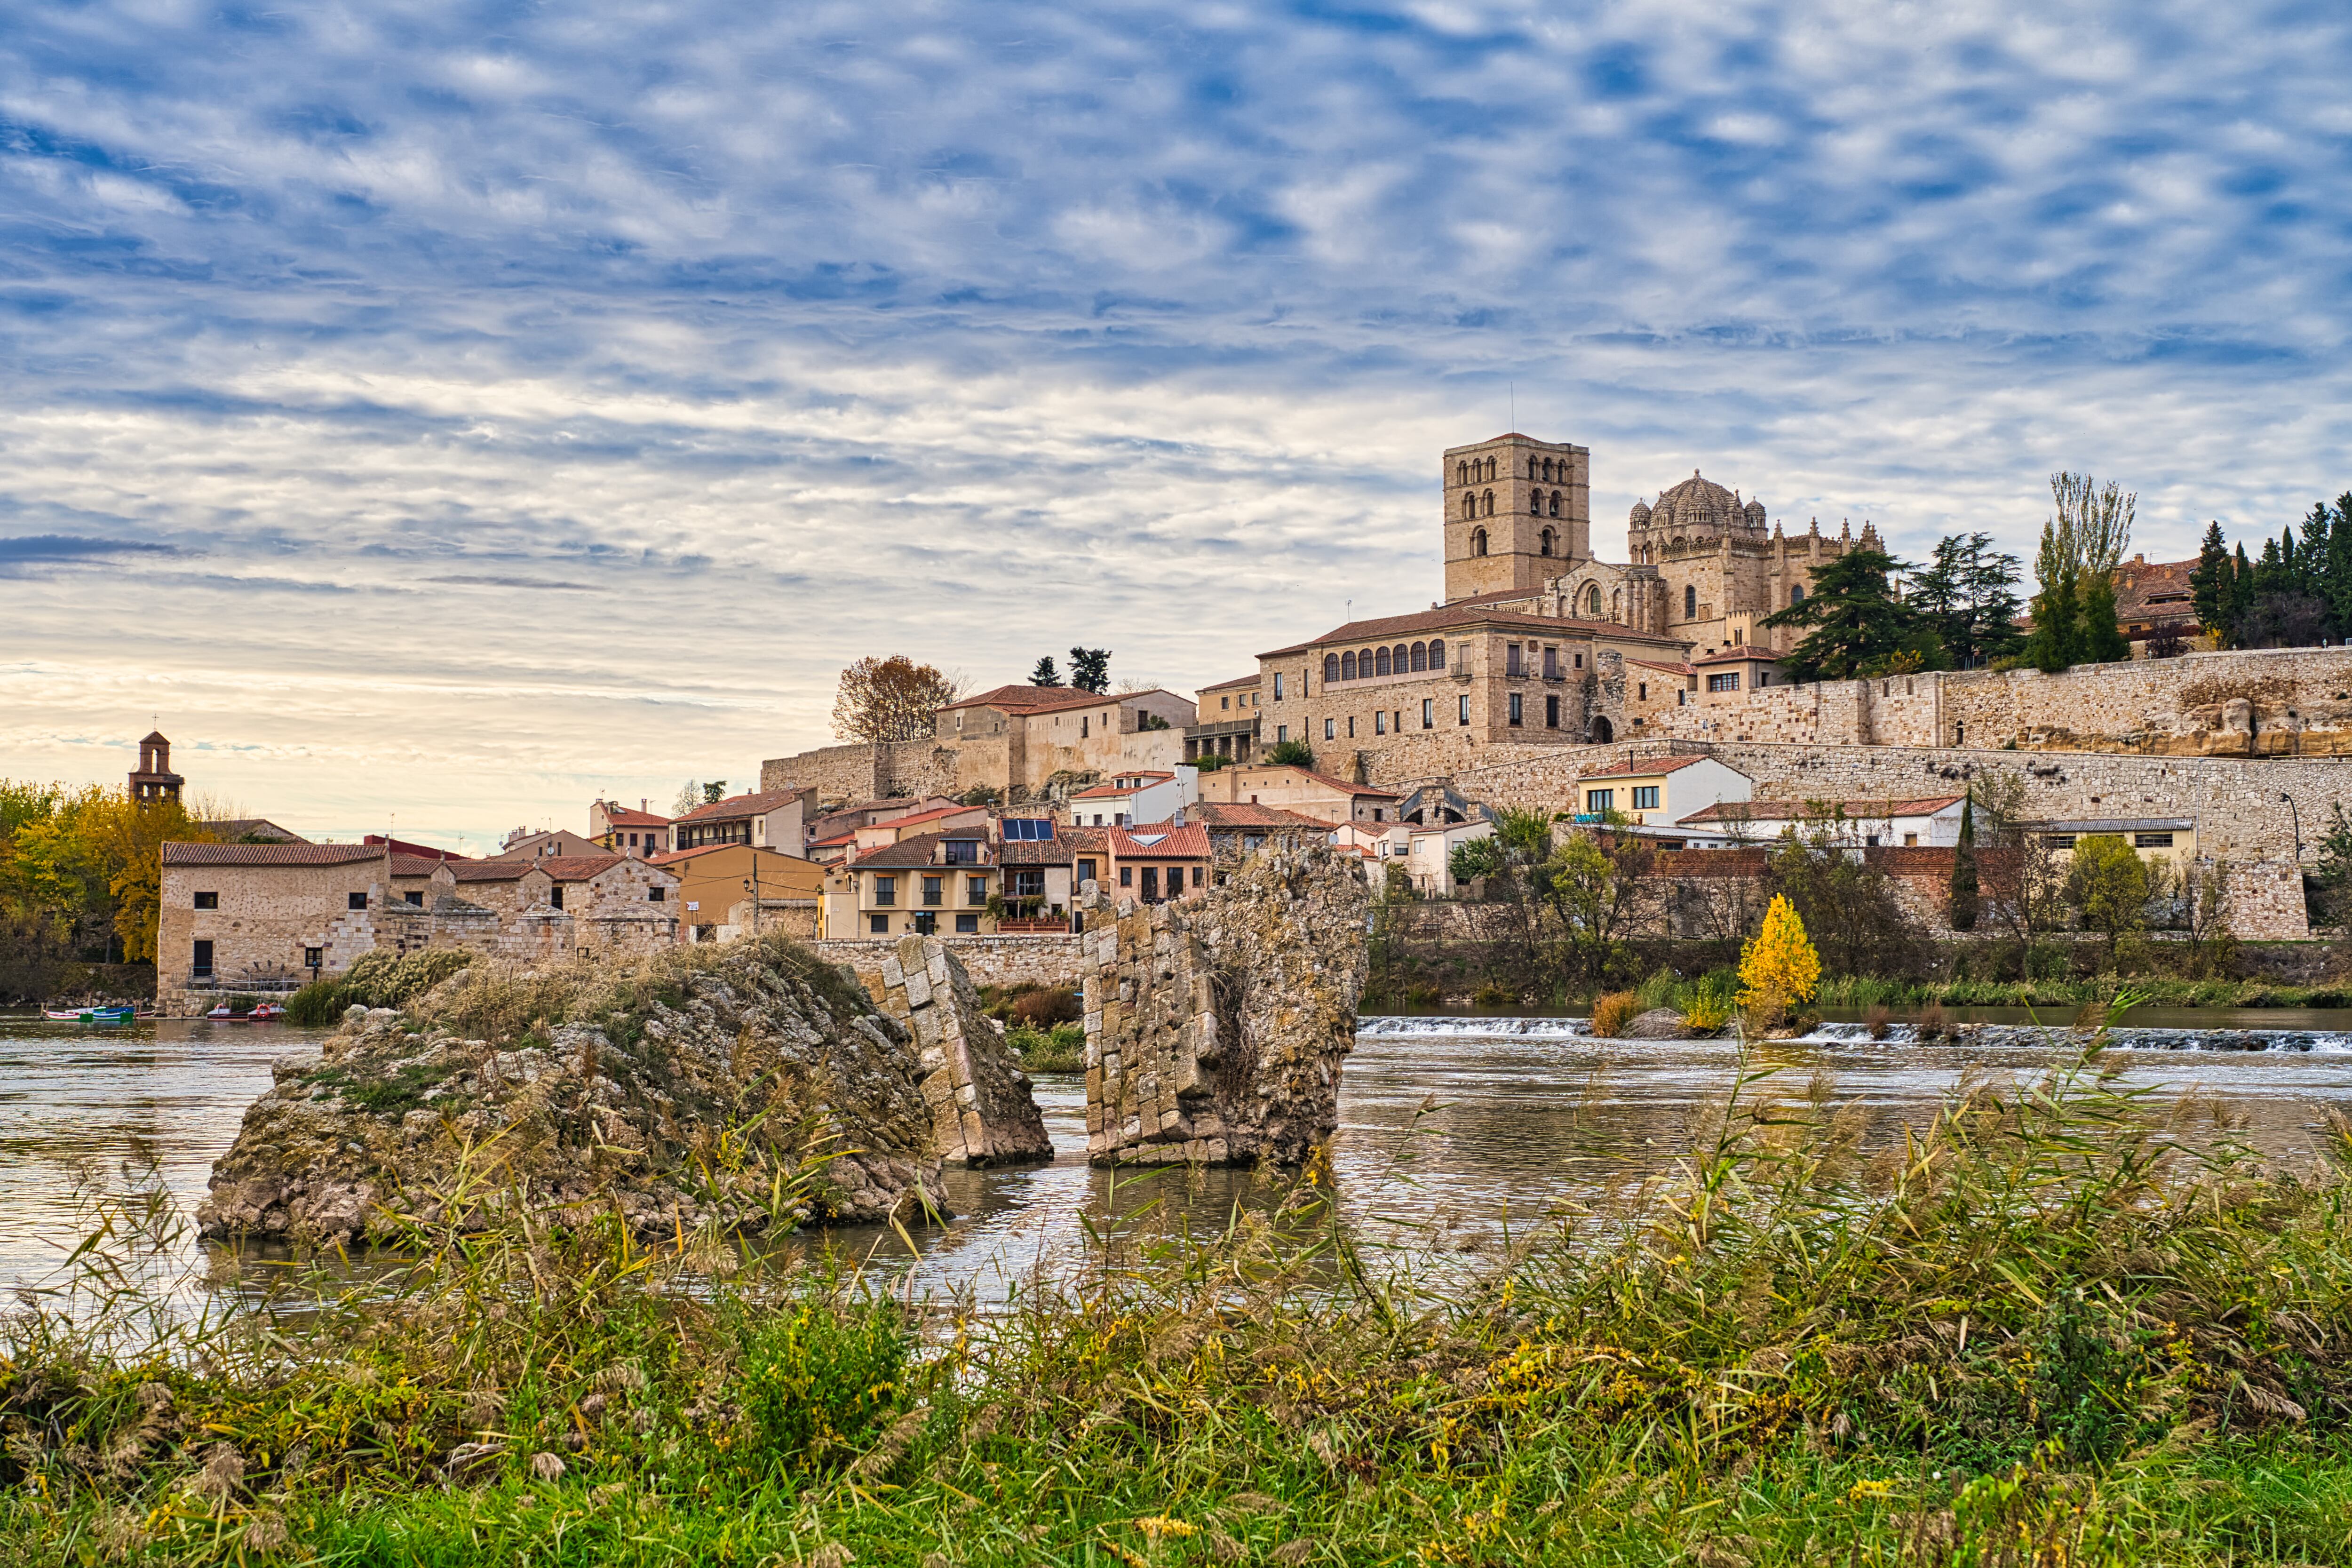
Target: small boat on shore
{"points": [[120, 1014], [265, 1013]]}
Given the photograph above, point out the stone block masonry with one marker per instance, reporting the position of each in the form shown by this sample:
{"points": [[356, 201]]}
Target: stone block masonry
{"points": [[1216, 1026], [1052, 961], [983, 1112]]}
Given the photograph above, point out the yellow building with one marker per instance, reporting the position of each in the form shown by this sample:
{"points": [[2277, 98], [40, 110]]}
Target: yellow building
{"points": [[715, 891]]}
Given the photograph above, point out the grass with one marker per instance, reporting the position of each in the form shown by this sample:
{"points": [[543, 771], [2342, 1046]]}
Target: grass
{"points": [[1867, 991], [1062, 1048], [2038, 1331]]}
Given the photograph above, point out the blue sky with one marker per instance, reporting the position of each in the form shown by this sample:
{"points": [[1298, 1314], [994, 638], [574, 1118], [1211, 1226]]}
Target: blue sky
{"points": [[444, 414]]}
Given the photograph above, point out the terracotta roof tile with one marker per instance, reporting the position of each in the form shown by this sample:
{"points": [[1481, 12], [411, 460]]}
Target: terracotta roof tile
{"points": [[179, 854], [1047, 699], [1796, 810], [1465, 614], [629, 816], [736, 806], [1740, 654], [1160, 841], [1219, 817]]}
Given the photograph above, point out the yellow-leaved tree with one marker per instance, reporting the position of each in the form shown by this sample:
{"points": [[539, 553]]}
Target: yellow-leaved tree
{"points": [[1779, 966]]}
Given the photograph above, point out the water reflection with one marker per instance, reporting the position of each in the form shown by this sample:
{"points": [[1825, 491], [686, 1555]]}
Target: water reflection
{"points": [[1452, 1129]]}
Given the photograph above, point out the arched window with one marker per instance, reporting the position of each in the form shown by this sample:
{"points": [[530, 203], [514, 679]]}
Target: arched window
{"points": [[1547, 541], [1531, 468], [1796, 593], [1437, 653], [1477, 542], [1602, 731], [1364, 665], [1555, 503], [1347, 665], [1420, 655], [1617, 605], [1490, 503], [1462, 472], [1491, 467], [1469, 504], [1383, 662], [1592, 601], [1690, 602], [1400, 658], [1331, 668]]}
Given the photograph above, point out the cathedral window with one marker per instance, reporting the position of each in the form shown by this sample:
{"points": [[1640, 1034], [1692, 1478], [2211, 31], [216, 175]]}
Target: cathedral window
{"points": [[1462, 472], [1547, 540], [1382, 660], [1690, 602], [1490, 503], [1347, 665], [1796, 593], [1547, 468], [1531, 468], [1398, 659], [1555, 503], [1469, 504], [1437, 653], [1478, 542], [1592, 601]]}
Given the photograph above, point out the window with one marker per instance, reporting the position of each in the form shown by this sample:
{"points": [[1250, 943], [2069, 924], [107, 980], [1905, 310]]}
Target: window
{"points": [[1555, 503], [1870, 840], [555, 897], [1690, 602], [1330, 669], [1351, 726], [975, 890], [416, 901], [885, 890], [1469, 506], [1347, 665], [1429, 712], [1477, 542], [1281, 733], [1127, 876], [1152, 884], [1646, 798], [1437, 653], [207, 900], [1910, 840], [1547, 539], [1796, 593], [1511, 658], [1026, 884], [1198, 875], [1681, 697], [967, 925], [1727, 681], [1380, 723], [1489, 498], [1551, 712], [961, 851], [1518, 702], [925, 922], [1253, 842], [200, 962], [1380, 663], [1225, 704], [1086, 871], [1551, 664], [1420, 656], [1641, 691], [2152, 840], [355, 901], [1277, 686], [1600, 800], [2058, 841], [1462, 709], [1330, 729], [657, 895], [878, 925], [314, 958]]}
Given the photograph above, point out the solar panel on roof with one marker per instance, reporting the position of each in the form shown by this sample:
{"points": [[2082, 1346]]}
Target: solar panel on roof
{"points": [[1028, 829]]}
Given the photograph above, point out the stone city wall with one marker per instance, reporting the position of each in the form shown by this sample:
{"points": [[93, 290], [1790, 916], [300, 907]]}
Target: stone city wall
{"points": [[1048, 959], [839, 774]]}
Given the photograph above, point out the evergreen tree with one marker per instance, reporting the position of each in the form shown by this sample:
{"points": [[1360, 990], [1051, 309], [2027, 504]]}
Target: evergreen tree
{"points": [[1964, 867], [2101, 638], [2057, 617], [1045, 673], [2335, 574], [1993, 604], [2209, 585], [2242, 587], [1854, 624], [1939, 594], [1091, 669]]}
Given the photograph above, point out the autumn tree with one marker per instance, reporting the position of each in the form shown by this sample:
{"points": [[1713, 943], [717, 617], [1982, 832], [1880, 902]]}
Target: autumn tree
{"points": [[1779, 967], [892, 699]]}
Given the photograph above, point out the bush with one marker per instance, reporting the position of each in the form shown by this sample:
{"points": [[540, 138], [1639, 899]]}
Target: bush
{"points": [[1612, 1012], [378, 979], [1062, 1048], [819, 1378], [1042, 1009]]}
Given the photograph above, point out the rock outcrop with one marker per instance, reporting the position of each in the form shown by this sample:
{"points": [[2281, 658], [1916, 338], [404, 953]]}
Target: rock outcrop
{"points": [[1216, 1025], [746, 1087], [983, 1112]]}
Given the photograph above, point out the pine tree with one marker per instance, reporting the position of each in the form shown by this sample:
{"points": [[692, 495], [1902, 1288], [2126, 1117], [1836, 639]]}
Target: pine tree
{"points": [[1045, 673], [1993, 604], [2057, 610], [2101, 638], [1964, 867], [1854, 623], [1091, 669], [2209, 585], [2335, 576], [2242, 588]]}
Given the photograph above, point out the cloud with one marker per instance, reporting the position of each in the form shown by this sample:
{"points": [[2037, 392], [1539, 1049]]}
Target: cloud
{"points": [[767, 339]]}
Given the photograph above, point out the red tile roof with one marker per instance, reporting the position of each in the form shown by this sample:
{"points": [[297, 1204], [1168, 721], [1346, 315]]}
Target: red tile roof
{"points": [[1467, 615], [736, 806], [1160, 841], [1629, 768], [1796, 810], [1669, 669], [674, 855], [1218, 816], [911, 818], [630, 817], [1046, 698], [909, 853], [179, 854], [1237, 680], [402, 847], [1741, 655]]}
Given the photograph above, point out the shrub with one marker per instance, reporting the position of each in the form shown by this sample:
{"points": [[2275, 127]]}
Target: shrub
{"points": [[819, 1377], [1779, 965], [1612, 1012], [1062, 1048], [1708, 1005], [1042, 1009]]}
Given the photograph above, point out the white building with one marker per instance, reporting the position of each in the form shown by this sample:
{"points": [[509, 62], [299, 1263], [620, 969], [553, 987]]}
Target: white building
{"points": [[1929, 823]]}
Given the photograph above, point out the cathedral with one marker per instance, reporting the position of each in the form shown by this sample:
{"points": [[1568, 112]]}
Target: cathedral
{"points": [[1702, 567]]}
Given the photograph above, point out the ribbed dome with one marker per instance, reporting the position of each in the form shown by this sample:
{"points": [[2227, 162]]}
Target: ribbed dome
{"points": [[1641, 513], [1699, 506]]}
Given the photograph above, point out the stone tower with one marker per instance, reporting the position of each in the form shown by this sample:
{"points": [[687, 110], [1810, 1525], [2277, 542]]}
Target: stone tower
{"points": [[156, 780], [1518, 513]]}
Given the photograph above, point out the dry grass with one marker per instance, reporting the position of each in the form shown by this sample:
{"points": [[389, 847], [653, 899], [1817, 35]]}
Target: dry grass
{"points": [[1614, 1010]]}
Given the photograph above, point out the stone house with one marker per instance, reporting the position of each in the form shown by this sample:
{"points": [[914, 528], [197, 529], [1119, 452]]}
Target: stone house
{"points": [[624, 830], [1300, 790], [714, 894], [250, 830], [575, 904], [1158, 861], [766, 819], [890, 830], [1225, 721], [1020, 740]]}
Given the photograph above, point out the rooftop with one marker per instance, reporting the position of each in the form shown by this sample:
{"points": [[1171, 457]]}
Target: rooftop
{"points": [[1740, 654], [1023, 699], [736, 806], [1799, 810], [1466, 612], [1631, 768], [1160, 841], [629, 816], [1217, 815], [1250, 679], [180, 854]]}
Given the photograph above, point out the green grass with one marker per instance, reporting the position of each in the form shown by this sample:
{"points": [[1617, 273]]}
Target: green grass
{"points": [[1062, 1048], [1867, 991], [2035, 1331]]}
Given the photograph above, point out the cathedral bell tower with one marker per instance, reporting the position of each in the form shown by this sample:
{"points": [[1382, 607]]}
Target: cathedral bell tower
{"points": [[1518, 513]]}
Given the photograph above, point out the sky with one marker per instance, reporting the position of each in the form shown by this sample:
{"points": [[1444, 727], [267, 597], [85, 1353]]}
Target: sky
{"points": [[440, 415]]}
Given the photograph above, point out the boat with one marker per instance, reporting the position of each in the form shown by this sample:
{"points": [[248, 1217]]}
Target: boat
{"points": [[265, 1013], [220, 1015], [91, 1014]]}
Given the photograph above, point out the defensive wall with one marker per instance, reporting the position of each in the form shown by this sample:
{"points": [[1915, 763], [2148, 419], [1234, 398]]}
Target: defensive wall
{"points": [[990, 959]]}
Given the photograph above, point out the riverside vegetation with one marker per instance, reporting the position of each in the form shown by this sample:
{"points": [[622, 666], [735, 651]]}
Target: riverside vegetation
{"points": [[2043, 1329]]}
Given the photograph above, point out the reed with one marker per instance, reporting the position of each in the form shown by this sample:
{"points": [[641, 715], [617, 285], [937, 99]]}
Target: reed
{"points": [[2038, 1328], [1613, 1011]]}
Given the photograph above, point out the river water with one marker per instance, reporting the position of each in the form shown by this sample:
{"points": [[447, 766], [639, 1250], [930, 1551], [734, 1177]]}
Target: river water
{"points": [[1452, 1129]]}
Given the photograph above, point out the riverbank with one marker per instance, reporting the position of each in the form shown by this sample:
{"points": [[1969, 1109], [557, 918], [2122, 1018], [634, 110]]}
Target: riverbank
{"points": [[2038, 1332]]}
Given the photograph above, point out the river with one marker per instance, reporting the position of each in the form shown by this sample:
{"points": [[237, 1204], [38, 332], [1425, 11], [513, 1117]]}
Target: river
{"points": [[1453, 1128]]}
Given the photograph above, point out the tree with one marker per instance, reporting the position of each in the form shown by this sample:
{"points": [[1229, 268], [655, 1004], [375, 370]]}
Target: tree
{"points": [[892, 699], [1598, 888], [2016, 871], [1967, 593], [83, 872], [1091, 669], [1846, 900], [1963, 914], [689, 796], [714, 790], [2209, 585], [1779, 966], [1290, 754], [1045, 673], [2333, 878], [1854, 624], [2101, 640], [2082, 544], [2107, 884]]}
